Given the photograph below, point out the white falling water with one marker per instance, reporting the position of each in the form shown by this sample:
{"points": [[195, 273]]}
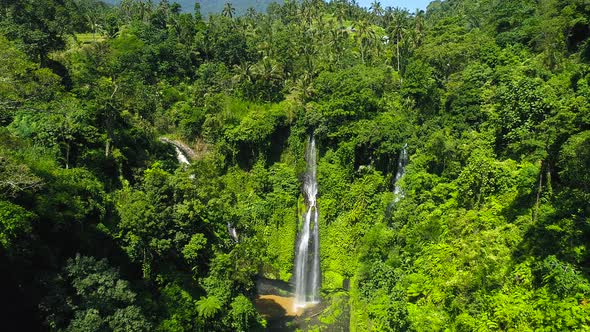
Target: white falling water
{"points": [[401, 170], [232, 232], [181, 157], [307, 263]]}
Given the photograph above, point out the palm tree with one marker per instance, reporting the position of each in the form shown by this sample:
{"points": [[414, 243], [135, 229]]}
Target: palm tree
{"points": [[302, 89], [337, 38], [419, 27], [377, 11], [242, 73], [228, 10], [366, 36], [269, 74], [146, 10], [267, 69], [250, 13], [307, 12], [398, 29]]}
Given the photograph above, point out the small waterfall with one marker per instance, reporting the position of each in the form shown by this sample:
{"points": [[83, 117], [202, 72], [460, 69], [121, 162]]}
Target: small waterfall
{"points": [[401, 170], [232, 232], [307, 263], [181, 157], [183, 160], [183, 152]]}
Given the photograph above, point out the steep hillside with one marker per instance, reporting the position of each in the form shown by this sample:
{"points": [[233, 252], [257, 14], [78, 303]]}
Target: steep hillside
{"points": [[377, 169]]}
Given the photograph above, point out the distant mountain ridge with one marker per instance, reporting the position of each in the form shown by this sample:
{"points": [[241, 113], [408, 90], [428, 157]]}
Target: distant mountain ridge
{"points": [[216, 6]]}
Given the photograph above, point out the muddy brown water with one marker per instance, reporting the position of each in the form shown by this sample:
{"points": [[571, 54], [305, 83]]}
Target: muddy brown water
{"points": [[275, 305]]}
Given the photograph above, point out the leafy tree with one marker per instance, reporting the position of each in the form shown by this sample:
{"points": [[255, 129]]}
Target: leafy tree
{"points": [[15, 226], [574, 160], [42, 26], [100, 300], [243, 314], [208, 307]]}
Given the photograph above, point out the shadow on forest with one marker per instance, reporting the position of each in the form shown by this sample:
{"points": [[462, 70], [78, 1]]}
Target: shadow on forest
{"points": [[275, 315], [557, 229]]}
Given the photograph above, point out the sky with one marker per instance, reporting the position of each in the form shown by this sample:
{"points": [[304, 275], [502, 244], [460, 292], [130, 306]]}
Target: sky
{"points": [[409, 4]]}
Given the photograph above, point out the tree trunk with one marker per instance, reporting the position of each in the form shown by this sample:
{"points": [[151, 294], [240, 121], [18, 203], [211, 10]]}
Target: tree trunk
{"points": [[397, 47], [539, 189]]}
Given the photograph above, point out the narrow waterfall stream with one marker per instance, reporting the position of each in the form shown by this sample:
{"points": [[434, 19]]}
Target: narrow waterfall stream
{"points": [[232, 232], [401, 170], [307, 262], [181, 157]]}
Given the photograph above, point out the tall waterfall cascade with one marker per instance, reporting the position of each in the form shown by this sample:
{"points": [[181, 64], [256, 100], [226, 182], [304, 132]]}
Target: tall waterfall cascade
{"points": [[307, 255], [401, 171]]}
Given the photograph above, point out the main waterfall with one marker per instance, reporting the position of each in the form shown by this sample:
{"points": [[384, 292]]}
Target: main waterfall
{"points": [[307, 262]]}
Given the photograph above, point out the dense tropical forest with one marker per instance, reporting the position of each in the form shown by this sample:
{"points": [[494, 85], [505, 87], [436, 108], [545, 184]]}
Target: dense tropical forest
{"points": [[207, 7], [102, 229]]}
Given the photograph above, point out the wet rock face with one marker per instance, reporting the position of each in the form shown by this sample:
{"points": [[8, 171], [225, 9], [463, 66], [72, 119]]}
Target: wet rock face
{"points": [[187, 151]]}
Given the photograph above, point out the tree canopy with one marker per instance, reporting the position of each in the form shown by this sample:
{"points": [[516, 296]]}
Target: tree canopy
{"points": [[102, 229]]}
